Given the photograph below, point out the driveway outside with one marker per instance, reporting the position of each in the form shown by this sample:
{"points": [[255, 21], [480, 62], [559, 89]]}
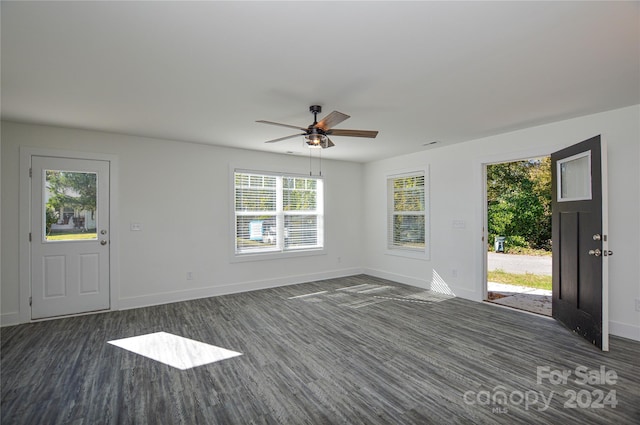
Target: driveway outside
{"points": [[510, 263]]}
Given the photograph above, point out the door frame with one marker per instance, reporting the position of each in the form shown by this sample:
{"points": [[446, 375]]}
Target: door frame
{"points": [[481, 167], [26, 153], [480, 164]]}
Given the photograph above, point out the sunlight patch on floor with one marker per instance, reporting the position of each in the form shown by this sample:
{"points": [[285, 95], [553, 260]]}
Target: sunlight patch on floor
{"points": [[307, 295], [173, 350]]}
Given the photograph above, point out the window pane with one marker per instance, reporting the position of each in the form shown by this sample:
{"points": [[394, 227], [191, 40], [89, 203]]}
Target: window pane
{"points": [[255, 233], [407, 207], [70, 205], [301, 231], [255, 193], [408, 194], [409, 231], [575, 178], [408, 199], [277, 213], [299, 194]]}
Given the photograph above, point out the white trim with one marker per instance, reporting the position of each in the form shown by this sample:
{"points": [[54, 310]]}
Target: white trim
{"points": [[9, 319], [481, 233], [559, 176], [26, 153], [624, 330], [605, 243], [418, 254], [277, 252], [396, 277], [231, 288], [276, 255], [421, 283]]}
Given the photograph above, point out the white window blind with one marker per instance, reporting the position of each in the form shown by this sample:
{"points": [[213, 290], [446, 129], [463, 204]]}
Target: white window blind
{"points": [[407, 220], [277, 213]]}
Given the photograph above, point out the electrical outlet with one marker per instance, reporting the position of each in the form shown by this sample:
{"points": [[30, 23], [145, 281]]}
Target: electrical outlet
{"points": [[454, 273], [189, 275], [339, 259]]}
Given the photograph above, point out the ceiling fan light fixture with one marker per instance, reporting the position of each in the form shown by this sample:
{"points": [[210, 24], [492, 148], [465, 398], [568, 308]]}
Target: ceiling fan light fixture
{"points": [[315, 140], [317, 134]]}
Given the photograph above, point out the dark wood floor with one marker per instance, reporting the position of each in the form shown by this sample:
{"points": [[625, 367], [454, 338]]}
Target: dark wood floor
{"points": [[366, 351]]}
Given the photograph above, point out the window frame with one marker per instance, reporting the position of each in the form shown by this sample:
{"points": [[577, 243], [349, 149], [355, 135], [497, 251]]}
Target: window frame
{"points": [[405, 251], [278, 250]]}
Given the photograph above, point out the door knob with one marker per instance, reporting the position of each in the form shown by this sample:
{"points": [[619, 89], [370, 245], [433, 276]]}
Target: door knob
{"points": [[596, 252], [103, 242]]}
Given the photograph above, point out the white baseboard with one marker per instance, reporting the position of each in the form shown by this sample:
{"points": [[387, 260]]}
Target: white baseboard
{"points": [[226, 289], [422, 283], [624, 330], [9, 319], [407, 280]]}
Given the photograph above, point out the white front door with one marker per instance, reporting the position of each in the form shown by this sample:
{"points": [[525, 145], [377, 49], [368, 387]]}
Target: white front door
{"points": [[69, 236]]}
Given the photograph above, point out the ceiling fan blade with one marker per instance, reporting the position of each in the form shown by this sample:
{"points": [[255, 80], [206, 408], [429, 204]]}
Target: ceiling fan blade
{"points": [[281, 125], [332, 119], [285, 138], [354, 133]]}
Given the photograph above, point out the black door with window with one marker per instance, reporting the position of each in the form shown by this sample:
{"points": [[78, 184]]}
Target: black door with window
{"points": [[578, 250]]}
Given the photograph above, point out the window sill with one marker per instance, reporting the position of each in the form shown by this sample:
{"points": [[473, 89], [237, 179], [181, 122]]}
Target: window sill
{"points": [[407, 253], [262, 256]]}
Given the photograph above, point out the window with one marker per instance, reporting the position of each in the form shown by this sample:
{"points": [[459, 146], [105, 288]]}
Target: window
{"points": [[277, 213], [574, 178], [407, 218]]}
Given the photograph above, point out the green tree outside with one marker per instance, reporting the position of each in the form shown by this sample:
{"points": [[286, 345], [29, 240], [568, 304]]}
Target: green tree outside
{"points": [[69, 191], [519, 203]]}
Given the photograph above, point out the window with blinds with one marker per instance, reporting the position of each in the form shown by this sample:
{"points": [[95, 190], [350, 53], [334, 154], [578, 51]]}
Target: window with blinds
{"points": [[407, 217], [277, 213]]}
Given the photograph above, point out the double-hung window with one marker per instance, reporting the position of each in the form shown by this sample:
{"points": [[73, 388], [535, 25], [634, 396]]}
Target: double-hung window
{"points": [[277, 213], [407, 220]]}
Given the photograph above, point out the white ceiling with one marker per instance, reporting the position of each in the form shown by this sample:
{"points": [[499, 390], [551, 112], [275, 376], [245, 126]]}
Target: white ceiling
{"points": [[416, 71]]}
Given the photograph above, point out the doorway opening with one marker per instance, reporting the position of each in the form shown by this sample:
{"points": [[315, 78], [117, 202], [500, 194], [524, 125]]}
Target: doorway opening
{"points": [[519, 252]]}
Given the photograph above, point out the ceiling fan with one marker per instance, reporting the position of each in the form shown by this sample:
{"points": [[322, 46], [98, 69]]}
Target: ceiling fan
{"points": [[317, 134]]}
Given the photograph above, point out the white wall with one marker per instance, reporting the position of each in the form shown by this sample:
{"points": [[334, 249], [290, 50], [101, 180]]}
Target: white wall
{"points": [[456, 194], [180, 193]]}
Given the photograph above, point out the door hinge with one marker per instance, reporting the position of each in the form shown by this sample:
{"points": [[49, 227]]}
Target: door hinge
{"points": [[30, 301], [30, 172], [29, 236]]}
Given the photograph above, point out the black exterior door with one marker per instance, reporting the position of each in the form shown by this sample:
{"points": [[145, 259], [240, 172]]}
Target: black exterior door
{"points": [[579, 243]]}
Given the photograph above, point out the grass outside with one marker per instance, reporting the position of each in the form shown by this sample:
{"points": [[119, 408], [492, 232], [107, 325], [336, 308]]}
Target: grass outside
{"points": [[529, 280], [518, 250], [528, 251]]}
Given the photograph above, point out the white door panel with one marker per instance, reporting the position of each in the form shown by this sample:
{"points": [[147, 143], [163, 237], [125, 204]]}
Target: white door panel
{"points": [[70, 244]]}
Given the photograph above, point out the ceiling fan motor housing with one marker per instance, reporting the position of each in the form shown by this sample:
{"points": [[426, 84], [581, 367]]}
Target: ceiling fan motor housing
{"points": [[315, 109]]}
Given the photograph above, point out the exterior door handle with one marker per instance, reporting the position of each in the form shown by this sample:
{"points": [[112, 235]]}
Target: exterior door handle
{"points": [[595, 252], [607, 253]]}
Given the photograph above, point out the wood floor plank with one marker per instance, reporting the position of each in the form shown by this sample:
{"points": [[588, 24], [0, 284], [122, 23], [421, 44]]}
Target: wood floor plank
{"points": [[354, 350]]}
